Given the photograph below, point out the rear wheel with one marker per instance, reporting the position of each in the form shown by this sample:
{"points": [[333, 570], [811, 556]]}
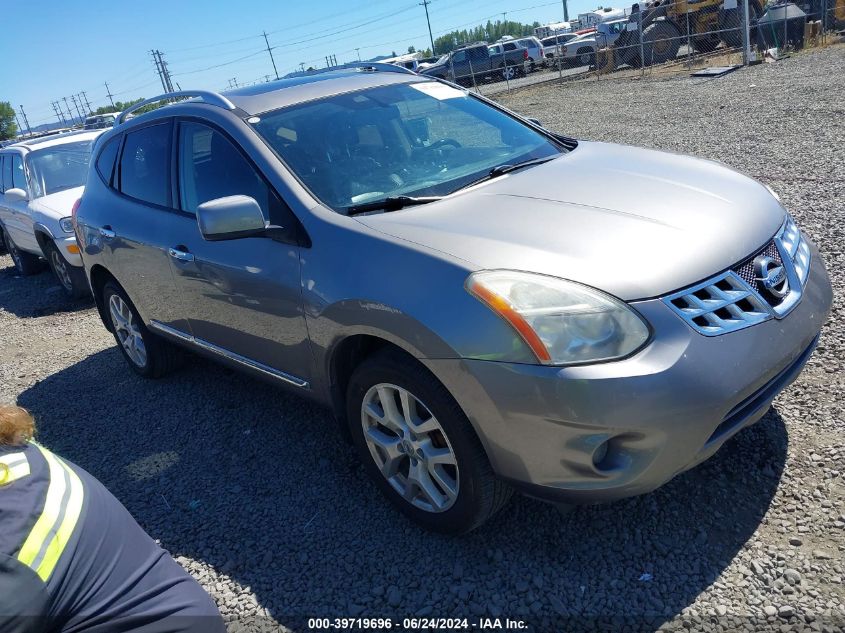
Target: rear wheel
{"points": [[26, 263], [418, 446], [147, 354], [661, 41], [71, 278]]}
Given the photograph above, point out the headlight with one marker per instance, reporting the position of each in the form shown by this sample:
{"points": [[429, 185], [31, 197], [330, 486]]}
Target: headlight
{"points": [[66, 224], [563, 322]]}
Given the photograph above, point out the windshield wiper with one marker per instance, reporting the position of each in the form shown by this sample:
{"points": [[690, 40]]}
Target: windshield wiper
{"points": [[391, 203], [506, 168]]}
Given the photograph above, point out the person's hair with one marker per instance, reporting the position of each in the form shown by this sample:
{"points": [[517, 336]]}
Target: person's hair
{"points": [[16, 425]]}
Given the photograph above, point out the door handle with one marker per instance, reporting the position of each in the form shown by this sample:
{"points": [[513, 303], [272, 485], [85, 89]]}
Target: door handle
{"points": [[106, 233], [181, 254]]}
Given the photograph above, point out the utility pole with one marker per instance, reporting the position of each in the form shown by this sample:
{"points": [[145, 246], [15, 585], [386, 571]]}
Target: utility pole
{"points": [[565, 12], [18, 122], [302, 67], [425, 4], [78, 110], [108, 92], [87, 103], [58, 112], [70, 114], [270, 50], [233, 81], [23, 114], [161, 68], [358, 50]]}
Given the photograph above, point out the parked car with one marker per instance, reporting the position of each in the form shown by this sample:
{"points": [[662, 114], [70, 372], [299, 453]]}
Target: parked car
{"points": [[476, 61], [100, 121], [536, 55], [480, 311], [41, 181], [581, 50], [553, 44]]}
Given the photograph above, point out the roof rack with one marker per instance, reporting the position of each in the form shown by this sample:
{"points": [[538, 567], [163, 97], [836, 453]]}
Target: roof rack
{"points": [[206, 96]]}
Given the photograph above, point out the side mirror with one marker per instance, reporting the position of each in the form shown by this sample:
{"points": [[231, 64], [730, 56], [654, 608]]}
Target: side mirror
{"points": [[535, 122], [230, 218], [17, 195]]}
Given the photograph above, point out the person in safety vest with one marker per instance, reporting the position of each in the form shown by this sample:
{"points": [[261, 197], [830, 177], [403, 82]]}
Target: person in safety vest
{"points": [[72, 558]]}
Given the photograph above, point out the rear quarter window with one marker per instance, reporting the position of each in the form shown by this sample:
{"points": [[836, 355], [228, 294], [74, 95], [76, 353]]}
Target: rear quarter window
{"points": [[106, 159]]}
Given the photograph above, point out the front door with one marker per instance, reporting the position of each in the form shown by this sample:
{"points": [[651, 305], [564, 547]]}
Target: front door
{"points": [[16, 216], [241, 296]]}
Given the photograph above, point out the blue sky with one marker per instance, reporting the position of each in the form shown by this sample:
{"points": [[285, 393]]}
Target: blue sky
{"points": [[62, 47]]}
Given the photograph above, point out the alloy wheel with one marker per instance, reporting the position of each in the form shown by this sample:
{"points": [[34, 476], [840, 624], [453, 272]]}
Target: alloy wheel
{"points": [[60, 268], [127, 331], [410, 447], [509, 72]]}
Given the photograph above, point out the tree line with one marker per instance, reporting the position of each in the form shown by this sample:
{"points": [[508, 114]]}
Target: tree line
{"points": [[490, 32]]}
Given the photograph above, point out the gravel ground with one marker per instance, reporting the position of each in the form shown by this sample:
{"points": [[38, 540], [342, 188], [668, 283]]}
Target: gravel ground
{"points": [[257, 496]]}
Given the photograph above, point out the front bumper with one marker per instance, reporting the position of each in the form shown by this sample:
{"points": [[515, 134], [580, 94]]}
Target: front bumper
{"points": [[658, 413]]}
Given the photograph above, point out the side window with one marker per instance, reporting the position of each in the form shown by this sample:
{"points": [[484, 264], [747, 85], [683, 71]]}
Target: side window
{"points": [[106, 159], [18, 177], [211, 167], [144, 164], [460, 56], [7, 172]]}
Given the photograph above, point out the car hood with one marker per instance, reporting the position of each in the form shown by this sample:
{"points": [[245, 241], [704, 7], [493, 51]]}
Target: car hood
{"points": [[633, 222], [58, 204]]}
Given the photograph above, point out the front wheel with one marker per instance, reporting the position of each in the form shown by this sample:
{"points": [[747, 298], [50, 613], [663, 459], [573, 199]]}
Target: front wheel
{"points": [[418, 446], [71, 278], [148, 355]]}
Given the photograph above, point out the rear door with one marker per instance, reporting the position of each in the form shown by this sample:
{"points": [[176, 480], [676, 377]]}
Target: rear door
{"points": [[241, 296], [134, 222]]}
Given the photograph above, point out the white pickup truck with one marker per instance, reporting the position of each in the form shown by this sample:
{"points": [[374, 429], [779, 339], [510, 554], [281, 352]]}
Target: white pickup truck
{"points": [[581, 51]]}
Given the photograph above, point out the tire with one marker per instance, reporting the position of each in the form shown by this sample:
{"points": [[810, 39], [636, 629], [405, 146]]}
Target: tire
{"points": [[584, 57], [509, 72], [660, 42], [478, 495], [732, 19], [158, 357], [705, 44], [71, 278], [26, 263]]}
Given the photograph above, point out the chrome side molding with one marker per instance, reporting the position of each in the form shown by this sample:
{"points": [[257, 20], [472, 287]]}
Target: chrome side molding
{"points": [[237, 358]]}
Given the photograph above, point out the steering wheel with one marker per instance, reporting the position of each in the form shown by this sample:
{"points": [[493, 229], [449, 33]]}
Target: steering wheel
{"points": [[443, 142]]}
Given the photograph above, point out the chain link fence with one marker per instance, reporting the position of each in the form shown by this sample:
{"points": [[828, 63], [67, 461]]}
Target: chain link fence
{"points": [[659, 37]]}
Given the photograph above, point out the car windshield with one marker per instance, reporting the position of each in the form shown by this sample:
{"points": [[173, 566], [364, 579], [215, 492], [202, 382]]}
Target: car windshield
{"points": [[410, 139], [59, 167]]}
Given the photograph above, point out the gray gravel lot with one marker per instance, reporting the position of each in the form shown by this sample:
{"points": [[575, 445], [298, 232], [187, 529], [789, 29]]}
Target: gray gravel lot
{"points": [[257, 495]]}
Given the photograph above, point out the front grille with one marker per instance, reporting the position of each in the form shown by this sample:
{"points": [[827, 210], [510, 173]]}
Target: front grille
{"points": [[737, 298]]}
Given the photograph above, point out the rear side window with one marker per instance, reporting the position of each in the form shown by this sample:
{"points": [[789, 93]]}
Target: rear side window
{"points": [[145, 165], [106, 159]]}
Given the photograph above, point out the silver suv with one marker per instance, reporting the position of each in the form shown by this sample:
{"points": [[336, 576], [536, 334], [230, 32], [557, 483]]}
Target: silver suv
{"points": [[483, 304]]}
